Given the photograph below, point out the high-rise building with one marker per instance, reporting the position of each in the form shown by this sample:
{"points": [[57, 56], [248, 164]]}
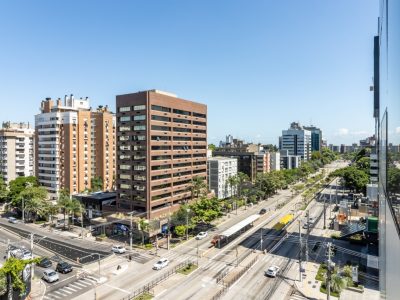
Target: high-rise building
{"points": [[162, 145], [16, 150], [316, 138], [288, 161], [387, 114], [219, 169], [297, 141], [275, 161], [74, 144]]}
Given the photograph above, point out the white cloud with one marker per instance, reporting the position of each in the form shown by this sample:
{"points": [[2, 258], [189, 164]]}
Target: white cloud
{"points": [[362, 132], [258, 136], [397, 130], [342, 131]]}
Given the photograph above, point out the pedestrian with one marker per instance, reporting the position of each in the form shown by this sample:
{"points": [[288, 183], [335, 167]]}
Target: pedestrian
{"points": [[130, 257], [118, 267]]}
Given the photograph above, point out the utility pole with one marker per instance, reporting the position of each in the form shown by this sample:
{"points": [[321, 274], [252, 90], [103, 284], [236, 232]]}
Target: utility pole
{"points": [[187, 223], [330, 204], [324, 211], [168, 233], [301, 249], [337, 192], [10, 290], [130, 232], [82, 224], [32, 265], [237, 257], [261, 239], [23, 210], [328, 273], [197, 252], [308, 233]]}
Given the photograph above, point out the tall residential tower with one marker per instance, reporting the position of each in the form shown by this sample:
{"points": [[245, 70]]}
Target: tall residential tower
{"points": [[162, 145]]}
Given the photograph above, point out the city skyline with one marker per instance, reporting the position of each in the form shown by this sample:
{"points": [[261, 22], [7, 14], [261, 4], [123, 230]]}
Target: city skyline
{"points": [[101, 52]]}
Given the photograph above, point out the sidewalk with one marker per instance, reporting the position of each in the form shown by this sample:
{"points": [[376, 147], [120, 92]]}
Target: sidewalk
{"points": [[309, 285]]}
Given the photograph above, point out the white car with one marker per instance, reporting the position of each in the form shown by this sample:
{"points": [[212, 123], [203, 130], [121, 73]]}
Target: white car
{"points": [[201, 235], [50, 275], [272, 271], [12, 220], [162, 263], [21, 254], [118, 249]]}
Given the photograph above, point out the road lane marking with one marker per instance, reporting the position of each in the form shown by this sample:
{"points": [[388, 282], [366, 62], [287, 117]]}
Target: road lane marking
{"points": [[86, 283], [70, 288], [65, 291], [80, 284], [117, 288], [55, 296]]}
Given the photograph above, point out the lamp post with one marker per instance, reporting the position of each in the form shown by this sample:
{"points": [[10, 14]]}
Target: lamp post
{"points": [[23, 210], [130, 230]]}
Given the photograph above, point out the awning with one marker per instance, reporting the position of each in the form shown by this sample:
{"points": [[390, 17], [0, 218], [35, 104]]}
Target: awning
{"points": [[240, 225]]}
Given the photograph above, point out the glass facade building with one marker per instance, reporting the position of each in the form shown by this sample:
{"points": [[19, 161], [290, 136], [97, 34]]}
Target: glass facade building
{"points": [[387, 113]]}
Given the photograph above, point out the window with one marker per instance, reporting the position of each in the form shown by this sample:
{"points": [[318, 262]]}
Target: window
{"points": [[124, 138], [139, 147], [161, 128], [181, 138], [139, 107], [158, 177], [125, 186], [160, 118], [124, 176], [139, 168], [124, 157], [199, 139], [177, 129], [139, 177], [199, 123], [181, 112], [124, 167], [160, 147], [139, 137], [160, 108], [139, 187], [139, 157], [181, 121], [162, 167], [124, 108], [199, 115], [160, 138], [161, 157], [124, 128], [125, 119], [139, 127], [139, 117], [124, 148]]}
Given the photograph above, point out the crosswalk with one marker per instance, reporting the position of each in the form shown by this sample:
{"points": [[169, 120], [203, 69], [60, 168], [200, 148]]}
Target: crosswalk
{"points": [[67, 291], [210, 265]]}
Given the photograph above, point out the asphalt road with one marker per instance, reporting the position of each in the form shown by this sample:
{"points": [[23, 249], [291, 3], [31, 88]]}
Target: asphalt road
{"points": [[67, 250]]}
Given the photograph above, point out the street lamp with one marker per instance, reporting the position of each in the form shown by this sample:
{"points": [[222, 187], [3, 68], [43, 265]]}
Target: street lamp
{"points": [[130, 230]]}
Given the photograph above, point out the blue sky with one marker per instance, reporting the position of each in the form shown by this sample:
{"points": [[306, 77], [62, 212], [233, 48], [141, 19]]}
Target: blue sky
{"points": [[258, 65]]}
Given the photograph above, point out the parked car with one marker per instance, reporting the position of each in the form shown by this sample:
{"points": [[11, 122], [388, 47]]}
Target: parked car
{"points": [[12, 220], [45, 263], [50, 275], [63, 267], [201, 235], [162, 263], [263, 211], [272, 271], [21, 253], [118, 249]]}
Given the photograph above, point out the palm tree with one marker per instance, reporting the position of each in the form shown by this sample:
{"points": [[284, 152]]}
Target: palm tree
{"points": [[337, 283], [232, 182], [143, 226], [75, 207], [64, 201], [241, 179], [197, 187], [52, 210]]}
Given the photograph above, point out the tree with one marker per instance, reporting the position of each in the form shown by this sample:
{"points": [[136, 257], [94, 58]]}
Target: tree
{"points": [[35, 201], [347, 271], [394, 180], [17, 185], [211, 147], [363, 164], [64, 200], [3, 190], [197, 187], [180, 230], [75, 207], [13, 267], [241, 179], [337, 283], [96, 184], [143, 226], [232, 182]]}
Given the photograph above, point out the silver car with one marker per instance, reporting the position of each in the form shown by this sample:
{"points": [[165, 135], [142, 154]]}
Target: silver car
{"points": [[162, 263], [272, 271], [50, 275]]}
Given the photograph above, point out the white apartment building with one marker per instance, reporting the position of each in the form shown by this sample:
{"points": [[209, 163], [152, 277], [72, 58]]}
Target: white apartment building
{"points": [[16, 150], [275, 161], [219, 169], [297, 141]]}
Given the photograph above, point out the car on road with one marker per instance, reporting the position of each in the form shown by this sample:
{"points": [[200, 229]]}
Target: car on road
{"points": [[118, 249], [272, 271], [63, 267], [45, 263], [201, 235], [316, 246], [12, 220], [263, 211], [50, 276], [162, 263]]}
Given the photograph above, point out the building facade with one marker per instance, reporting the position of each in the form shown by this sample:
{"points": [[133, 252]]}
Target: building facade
{"points": [[316, 137], [16, 151], [162, 145], [219, 169], [74, 145], [297, 141], [263, 161], [387, 112], [275, 161], [289, 161]]}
